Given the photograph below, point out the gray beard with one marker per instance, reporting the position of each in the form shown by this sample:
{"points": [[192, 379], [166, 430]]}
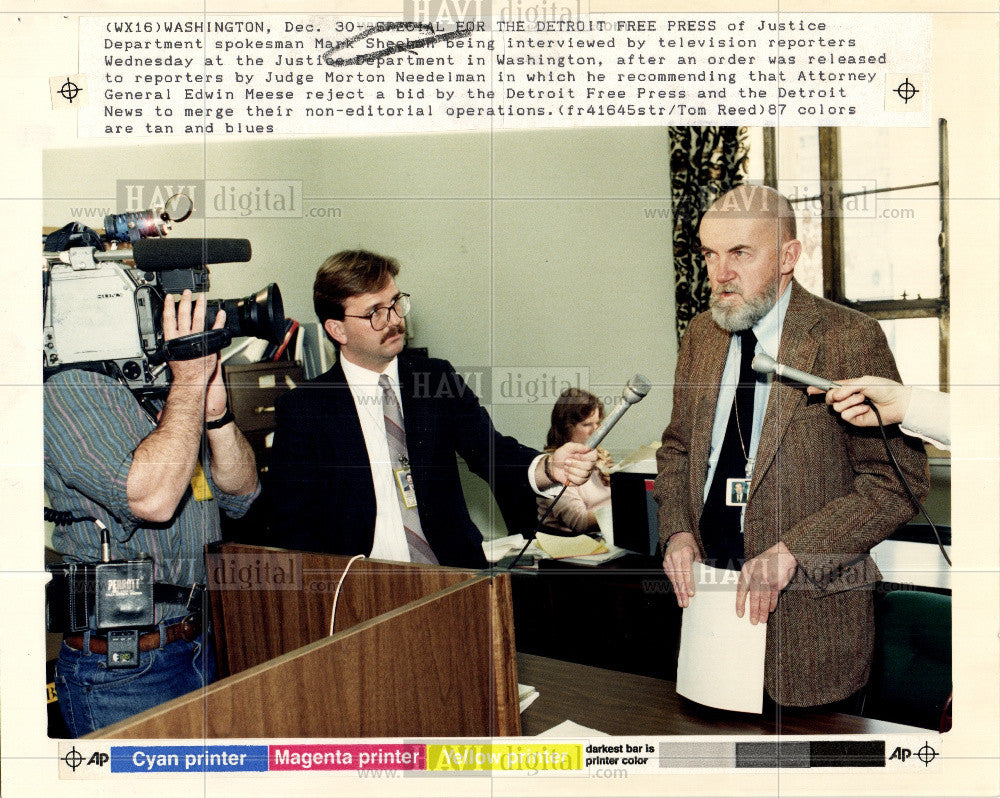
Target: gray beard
{"points": [[746, 315]]}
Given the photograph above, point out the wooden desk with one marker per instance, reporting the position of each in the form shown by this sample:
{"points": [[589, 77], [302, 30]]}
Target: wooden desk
{"points": [[629, 705]]}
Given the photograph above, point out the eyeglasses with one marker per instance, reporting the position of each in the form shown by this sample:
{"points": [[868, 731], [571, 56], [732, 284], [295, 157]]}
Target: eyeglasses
{"points": [[379, 318]]}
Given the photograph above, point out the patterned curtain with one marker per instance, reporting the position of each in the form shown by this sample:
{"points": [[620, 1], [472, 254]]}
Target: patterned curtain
{"points": [[705, 162]]}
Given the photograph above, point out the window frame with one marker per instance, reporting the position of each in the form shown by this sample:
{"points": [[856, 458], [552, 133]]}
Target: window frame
{"points": [[832, 195]]}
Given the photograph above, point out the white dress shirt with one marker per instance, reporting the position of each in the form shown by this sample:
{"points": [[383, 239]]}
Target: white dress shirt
{"points": [[390, 537]]}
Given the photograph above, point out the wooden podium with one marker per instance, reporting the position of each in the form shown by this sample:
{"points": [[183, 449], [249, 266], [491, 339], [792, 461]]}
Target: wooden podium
{"points": [[417, 651]]}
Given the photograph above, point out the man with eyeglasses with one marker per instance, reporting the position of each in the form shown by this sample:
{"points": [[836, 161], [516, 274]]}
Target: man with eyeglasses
{"points": [[364, 456]]}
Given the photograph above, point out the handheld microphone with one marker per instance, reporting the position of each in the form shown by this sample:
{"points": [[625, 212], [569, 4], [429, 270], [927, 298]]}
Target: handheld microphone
{"points": [[153, 255], [634, 390], [765, 364]]}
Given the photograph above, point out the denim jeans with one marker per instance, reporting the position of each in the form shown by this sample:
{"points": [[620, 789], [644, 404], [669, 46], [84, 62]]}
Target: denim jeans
{"points": [[92, 696]]}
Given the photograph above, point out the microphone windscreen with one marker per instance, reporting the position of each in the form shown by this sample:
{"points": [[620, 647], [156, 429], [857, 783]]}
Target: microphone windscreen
{"points": [[163, 254], [763, 363], [640, 385]]}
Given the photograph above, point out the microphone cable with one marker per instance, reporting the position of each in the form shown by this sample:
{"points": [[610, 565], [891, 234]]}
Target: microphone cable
{"points": [[66, 517], [899, 472], [340, 584], [538, 528]]}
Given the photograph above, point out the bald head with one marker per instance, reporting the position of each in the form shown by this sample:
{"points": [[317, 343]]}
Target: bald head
{"points": [[757, 202], [750, 250]]}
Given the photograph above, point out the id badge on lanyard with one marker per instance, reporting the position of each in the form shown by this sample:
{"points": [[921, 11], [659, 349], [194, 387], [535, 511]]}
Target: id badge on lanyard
{"points": [[737, 490], [404, 484]]}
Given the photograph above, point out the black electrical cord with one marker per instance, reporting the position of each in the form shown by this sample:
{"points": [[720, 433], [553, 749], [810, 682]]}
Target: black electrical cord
{"points": [[64, 517], [537, 529], [46, 281], [909, 491]]}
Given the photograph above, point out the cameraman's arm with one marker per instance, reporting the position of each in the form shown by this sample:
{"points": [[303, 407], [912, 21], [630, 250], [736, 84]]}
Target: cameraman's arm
{"points": [[232, 463], [164, 462]]}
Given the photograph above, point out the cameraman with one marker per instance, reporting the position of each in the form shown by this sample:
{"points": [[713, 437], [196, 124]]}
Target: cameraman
{"points": [[139, 470]]}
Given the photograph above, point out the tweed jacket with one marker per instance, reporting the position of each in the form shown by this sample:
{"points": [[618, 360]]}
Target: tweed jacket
{"points": [[824, 488]]}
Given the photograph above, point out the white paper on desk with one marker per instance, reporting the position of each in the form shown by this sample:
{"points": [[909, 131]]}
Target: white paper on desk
{"points": [[497, 548], [571, 731], [721, 659], [526, 695]]}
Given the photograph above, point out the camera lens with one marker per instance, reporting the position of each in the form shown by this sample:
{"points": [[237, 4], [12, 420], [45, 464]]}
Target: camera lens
{"points": [[260, 315]]}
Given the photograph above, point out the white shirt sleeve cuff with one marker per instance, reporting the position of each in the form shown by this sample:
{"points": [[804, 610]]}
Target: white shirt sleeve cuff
{"points": [[928, 416], [550, 492]]}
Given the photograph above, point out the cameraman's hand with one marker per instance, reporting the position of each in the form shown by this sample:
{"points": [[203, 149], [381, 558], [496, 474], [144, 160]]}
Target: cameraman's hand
{"points": [[182, 319], [163, 464]]}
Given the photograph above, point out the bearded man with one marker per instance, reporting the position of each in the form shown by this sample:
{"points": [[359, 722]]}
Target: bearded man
{"points": [[821, 493]]}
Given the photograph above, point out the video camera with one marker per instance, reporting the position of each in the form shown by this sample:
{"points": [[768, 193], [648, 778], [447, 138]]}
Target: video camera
{"points": [[103, 307]]}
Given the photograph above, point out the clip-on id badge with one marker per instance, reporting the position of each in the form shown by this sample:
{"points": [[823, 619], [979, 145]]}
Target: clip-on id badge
{"points": [[404, 484], [737, 491]]}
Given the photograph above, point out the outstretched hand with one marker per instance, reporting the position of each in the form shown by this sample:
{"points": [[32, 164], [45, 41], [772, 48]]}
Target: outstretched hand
{"points": [[848, 399], [573, 463]]}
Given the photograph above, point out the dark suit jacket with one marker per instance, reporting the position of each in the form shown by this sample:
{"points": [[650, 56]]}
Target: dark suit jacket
{"points": [[319, 480], [825, 488]]}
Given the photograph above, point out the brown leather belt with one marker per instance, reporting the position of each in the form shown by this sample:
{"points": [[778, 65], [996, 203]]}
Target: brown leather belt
{"points": [[187, 630]]}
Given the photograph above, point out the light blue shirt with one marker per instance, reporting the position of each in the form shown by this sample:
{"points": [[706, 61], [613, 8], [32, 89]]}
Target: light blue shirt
{"points": [[768, 332]]}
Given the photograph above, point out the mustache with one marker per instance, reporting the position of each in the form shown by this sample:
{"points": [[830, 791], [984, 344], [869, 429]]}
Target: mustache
{"points": [[732, 287], [395, 329]]}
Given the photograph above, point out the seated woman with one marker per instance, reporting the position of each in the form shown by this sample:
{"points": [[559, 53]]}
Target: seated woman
{"points": [[575, 416]]}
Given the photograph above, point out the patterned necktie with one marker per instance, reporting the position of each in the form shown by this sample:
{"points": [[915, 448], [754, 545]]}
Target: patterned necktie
{"points": [[395, 436], [720, 528]]}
